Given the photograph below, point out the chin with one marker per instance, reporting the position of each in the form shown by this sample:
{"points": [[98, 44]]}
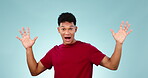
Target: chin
{"points": [[66, 43]]}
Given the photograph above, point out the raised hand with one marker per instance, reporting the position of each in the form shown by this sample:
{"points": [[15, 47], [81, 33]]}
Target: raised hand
{"points": [[26, 40], [122, 33]]}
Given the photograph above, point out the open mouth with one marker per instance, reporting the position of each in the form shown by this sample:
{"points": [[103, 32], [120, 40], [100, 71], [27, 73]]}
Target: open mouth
{"points": [[67, 37]]}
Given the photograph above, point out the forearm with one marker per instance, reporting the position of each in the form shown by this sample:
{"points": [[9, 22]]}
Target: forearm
{"points": [[32, 64], [115, 58]]}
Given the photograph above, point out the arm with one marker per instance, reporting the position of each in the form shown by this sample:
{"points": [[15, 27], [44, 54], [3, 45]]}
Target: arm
{"points": [[113, 62], [34, 67]]}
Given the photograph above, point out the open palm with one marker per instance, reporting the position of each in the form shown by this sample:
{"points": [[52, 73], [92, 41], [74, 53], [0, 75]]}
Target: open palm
{"points": [[122, 33], [26, 40]]}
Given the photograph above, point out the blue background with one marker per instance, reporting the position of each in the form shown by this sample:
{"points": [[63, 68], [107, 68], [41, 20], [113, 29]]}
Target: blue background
{"points": [[95, 18]]}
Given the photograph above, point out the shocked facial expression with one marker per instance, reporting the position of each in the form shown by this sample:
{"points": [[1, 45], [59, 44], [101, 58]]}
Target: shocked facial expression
{"points": [[67, 31]]}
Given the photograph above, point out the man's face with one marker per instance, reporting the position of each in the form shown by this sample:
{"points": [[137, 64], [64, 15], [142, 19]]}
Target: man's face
{"points": [[67, 31]]}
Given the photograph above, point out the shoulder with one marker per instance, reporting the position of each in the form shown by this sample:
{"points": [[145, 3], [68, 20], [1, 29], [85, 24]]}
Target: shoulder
{"points": [[90, 47], [53, 49], [83, 43], [87, 44]]}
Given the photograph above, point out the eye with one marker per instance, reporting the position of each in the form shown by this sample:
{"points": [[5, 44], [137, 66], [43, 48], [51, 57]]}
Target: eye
{"points": [[70, 28], [63, 29]]}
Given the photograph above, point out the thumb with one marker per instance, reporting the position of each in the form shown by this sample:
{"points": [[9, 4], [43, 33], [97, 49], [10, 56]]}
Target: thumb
{"points": [[35, 39], [18, 38], [112, 31]]}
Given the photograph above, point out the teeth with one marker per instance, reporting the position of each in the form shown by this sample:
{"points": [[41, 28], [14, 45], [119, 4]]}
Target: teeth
{"points": [[67, 37]]}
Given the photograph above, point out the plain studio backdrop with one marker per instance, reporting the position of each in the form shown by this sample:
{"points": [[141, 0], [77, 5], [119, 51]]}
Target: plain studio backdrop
{"points": [[95, 18]]}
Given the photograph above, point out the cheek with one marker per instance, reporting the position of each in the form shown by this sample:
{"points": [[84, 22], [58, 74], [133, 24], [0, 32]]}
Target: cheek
{"points": [[73, 33], [61, 34]]}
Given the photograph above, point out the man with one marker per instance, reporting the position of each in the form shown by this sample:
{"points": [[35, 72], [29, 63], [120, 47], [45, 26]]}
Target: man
{"points": [[73, 59]]}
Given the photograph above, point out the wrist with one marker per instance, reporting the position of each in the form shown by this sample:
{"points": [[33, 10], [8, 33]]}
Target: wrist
{"points": [[28, 48], [118, 43]]}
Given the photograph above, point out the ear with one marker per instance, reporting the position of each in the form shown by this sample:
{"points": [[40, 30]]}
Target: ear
{"points": [[76, 29], [58, 28]]}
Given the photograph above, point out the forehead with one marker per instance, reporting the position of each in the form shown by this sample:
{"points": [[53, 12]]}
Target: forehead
{"points": [[67, 24]]}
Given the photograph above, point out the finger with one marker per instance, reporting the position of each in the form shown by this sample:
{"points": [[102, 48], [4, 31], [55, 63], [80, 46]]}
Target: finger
{"points": [[28, 32], [18, 38], [21, 33], [24, 30], [128, 25], [129, 32], [113, 33], [125, 28], [122, 23], [120, 26], [35, 38], [126, 22]]}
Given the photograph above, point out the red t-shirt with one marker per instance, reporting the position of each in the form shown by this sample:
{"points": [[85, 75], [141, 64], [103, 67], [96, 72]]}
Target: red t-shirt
{"points": [[73, 61]]}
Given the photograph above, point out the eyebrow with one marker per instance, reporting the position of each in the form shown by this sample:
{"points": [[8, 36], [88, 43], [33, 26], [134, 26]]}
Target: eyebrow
{"points": [[70, 26], [61, 26]]}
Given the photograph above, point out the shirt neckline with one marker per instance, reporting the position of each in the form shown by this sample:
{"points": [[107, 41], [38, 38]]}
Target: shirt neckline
{"points": [[70, 45]]}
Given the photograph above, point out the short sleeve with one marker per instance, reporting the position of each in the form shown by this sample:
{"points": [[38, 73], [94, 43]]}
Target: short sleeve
{"points": [[96, 55], [47, 59]]}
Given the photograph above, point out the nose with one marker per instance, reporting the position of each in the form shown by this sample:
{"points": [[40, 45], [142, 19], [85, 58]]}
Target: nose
{"points": [[67, 32]]}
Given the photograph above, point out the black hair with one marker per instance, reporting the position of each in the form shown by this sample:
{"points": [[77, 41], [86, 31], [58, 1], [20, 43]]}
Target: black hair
{"points": [[69, 17]]}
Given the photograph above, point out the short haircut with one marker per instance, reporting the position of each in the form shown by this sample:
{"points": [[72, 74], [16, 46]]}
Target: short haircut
{"points": [[66, 17]]}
